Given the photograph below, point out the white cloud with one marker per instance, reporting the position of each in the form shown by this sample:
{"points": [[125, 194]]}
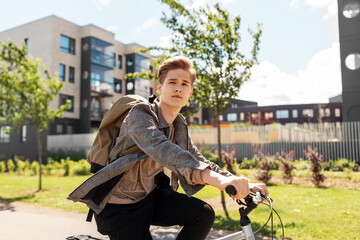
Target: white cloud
{"points": [[330, 5], [148, 23], [112, 28], [294, 4], [226, 2], [99, 4], [320, 80]]}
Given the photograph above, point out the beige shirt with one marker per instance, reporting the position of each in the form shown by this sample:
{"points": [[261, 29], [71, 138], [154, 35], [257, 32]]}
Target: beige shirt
{"points": [[139, 181]]}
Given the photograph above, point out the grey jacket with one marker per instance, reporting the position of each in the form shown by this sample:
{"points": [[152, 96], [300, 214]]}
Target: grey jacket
{"points": [[145, 127]]}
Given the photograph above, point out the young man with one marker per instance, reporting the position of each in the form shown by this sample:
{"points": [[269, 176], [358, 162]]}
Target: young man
{"points": [[145, 193]]}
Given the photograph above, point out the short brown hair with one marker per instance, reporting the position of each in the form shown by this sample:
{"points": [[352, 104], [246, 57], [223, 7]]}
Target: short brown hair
{"points": [[176, 63]]}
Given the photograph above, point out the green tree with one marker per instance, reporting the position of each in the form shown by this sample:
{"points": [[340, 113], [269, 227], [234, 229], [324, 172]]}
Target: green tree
{"points": [[26, 90], [210, 37]]}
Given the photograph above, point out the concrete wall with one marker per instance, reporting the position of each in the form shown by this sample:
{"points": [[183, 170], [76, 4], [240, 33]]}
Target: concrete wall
{"points": [[70, 141]]}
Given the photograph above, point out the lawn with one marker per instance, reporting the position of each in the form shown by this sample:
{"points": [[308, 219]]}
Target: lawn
{"points": [[307, 212]]}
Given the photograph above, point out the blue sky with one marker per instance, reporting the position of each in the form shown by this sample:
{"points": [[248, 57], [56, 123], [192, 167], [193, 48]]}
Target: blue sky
{"points": [[299, 52]]}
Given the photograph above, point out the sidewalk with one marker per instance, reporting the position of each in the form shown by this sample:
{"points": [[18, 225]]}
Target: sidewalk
{"points": [[18, 221]]}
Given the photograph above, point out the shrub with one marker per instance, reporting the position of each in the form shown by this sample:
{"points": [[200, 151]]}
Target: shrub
{"points": [[249, 164], [63, 154], [265, 164], [34, 168], [208, 153], [287, 166], [316, 160], [66, 166], [80, 168], [2, 167], [10, 165], [302, 164], [20, 166]]}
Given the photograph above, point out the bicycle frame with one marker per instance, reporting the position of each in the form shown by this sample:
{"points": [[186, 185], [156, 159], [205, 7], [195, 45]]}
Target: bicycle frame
{"points": [[246, 233]]}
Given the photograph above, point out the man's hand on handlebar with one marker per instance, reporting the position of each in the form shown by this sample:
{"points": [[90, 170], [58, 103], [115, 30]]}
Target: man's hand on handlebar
{"points": [[243, 187]]}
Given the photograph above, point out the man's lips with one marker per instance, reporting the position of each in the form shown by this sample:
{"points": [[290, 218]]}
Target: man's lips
{"points": [[177, 96]]}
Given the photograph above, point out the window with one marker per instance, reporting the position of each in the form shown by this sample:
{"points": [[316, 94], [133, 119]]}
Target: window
{"points": [[59, 128], [62, 72], [118, 85], [337, 112], [71, 74], [327, 112], [26, 40], [23, 134], [308, 113], [67, 44], [294, 113], [196, 120], [321, 112], [241, 116], [221, 118], [232, 117], [69, 129], [64, 98], [269, 115], [5, 134], [282, 114], [119, 63], [113, 59]]}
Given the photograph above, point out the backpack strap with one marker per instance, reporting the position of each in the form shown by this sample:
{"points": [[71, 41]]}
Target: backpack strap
{"points": [[90, 215]]}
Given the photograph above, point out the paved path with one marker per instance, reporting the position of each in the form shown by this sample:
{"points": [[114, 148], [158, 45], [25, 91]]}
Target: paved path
{"points": [[18, 221]]}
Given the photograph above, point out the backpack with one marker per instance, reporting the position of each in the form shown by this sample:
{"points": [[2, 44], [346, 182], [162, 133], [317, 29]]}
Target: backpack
{"points": [[109, 129]]}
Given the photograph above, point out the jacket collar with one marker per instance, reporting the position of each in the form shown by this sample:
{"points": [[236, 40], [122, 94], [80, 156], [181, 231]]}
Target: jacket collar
{"points": [[162, 122]]}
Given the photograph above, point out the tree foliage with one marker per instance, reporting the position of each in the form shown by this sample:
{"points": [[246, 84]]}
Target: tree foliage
{"points": [[26, 90]]}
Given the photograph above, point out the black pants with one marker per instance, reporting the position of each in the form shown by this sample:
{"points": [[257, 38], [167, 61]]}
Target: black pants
{"points": [[162, 207]]}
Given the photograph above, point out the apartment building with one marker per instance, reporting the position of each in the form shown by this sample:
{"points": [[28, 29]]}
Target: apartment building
{"points": [[92, 66]]}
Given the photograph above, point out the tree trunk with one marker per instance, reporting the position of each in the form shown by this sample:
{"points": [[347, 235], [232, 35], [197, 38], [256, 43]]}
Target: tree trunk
{"points": [[39, 158], [220, 162]]}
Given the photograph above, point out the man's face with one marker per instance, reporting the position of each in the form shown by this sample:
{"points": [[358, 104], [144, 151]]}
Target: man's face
{"points": [[176, 88]]}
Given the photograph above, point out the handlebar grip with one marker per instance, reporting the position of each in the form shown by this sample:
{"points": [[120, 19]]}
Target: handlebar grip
{"points": [[230, 189]]}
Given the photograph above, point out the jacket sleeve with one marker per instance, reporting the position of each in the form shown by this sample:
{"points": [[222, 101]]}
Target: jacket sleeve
{"points": [[141, 125], [213, 166]]}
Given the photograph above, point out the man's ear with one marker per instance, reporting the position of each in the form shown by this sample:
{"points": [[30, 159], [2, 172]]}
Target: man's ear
{"points": [[159, 87]]}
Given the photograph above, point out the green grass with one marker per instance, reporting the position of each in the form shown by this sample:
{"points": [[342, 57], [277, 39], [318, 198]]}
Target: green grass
{"points": [[307, 212]]}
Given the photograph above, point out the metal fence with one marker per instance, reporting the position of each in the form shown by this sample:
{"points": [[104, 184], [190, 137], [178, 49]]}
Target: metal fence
{"points": [[333, 140]]}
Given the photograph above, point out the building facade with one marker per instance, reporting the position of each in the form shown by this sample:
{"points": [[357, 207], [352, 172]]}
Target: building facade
{"points": [[250, 112], [92, 66], [349, 33]]}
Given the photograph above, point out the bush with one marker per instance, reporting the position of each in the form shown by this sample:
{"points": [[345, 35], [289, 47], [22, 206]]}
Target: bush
{"points": [[287, 166], [316, 160], [249, 164], [2, 167], [20, 166], [65, 164], [10, 165], [63, 154], [302, 164], [34, 167], [80, 168]]}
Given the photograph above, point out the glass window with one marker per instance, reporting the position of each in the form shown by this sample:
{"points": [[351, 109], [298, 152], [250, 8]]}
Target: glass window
{"points": [[241, 116], [294, 113], [118, 85], [282, 114], [119, 63], [102, 53], [327, 112], [232, 117], [351, 10], [5, 134], [269, 115], [221, 118], [69, 129], [23, 134], [308, 113], [59, 128], [95, 108], [113, 60], [27, 44], [337, 112], [67, 44], [62, 72], [64, 98], [352, 61], [71, 74]]}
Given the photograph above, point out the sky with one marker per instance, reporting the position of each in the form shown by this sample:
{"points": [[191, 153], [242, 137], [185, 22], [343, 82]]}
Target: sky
{"points": [[299, 57]]}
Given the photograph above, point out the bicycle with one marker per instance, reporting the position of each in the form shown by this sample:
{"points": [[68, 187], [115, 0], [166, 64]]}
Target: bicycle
{"points": [[246, 206]]}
